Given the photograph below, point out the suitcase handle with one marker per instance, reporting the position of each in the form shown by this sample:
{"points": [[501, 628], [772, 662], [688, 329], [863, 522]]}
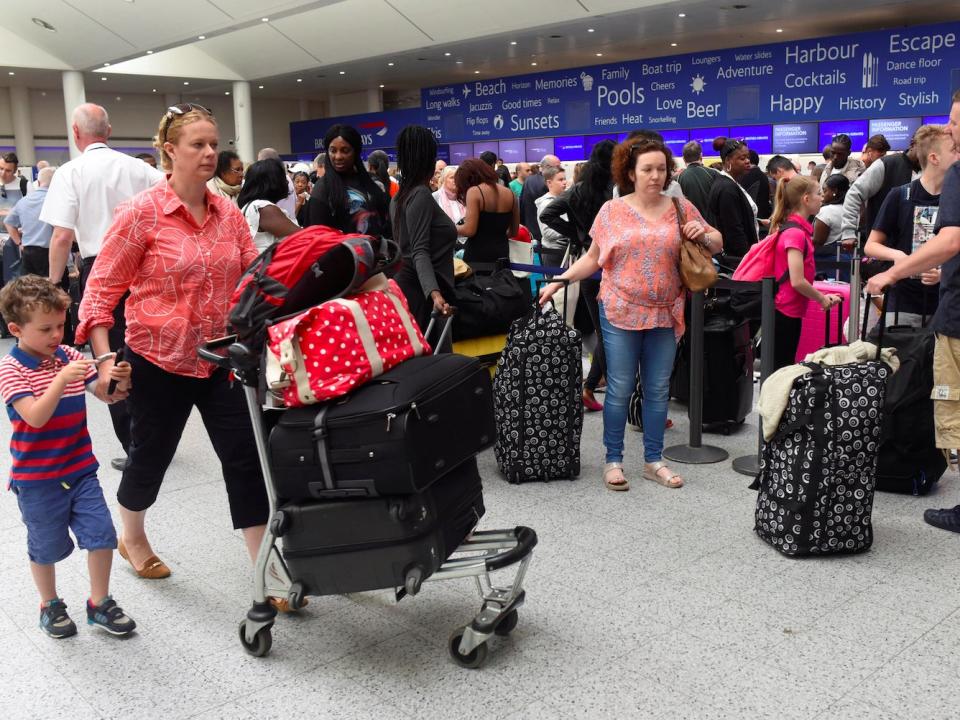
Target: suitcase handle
{"points": [[543, 282], [435, 316], [826, 324], [882, 322]]}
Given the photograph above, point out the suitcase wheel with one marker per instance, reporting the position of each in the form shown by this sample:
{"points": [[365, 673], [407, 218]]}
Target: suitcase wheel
{"points": [[507, 624], [474, 659], [413, 580], [296, 596], [262, 641]]}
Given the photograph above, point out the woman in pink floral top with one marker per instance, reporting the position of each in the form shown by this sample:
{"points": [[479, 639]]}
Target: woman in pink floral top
{"points": [[636, 242]]}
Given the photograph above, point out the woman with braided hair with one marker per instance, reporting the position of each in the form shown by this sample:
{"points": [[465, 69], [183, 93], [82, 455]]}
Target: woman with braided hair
{"points": [[426, 235]]}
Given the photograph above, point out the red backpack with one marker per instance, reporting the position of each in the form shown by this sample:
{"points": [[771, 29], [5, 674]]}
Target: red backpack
{"points": [[304, 269]]}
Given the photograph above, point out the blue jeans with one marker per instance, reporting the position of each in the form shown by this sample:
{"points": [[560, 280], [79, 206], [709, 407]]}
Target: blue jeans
{"points": [[653, 350]]}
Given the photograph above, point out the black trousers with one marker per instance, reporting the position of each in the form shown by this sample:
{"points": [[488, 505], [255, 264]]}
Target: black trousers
{"points": [[119, 414], [589, 292], [160, 403], [787, 338]]}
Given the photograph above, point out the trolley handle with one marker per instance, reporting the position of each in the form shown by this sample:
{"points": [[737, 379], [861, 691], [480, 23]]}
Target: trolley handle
{"points": [[206, 350], [526, 542]]}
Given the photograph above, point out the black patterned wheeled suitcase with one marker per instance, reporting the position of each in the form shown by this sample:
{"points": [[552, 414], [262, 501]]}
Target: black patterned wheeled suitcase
{"points": [[536, 396], [818, 473], [396, 435], [353, 545]]}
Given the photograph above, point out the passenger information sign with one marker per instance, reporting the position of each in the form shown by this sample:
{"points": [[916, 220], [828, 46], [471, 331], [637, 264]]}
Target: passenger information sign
{"points": [[887, 74]]}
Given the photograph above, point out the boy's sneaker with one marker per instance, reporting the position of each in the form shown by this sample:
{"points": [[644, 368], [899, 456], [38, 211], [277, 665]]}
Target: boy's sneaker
{"points": [[54, 620], [110, 617]]}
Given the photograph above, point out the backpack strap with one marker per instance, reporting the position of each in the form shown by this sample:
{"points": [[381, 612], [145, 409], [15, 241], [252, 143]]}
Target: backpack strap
{"points": [[23, 186], [789, 224]]}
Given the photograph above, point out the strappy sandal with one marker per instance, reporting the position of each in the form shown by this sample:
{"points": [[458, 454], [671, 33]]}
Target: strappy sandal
{"points": [[153, 569], [612, 484], [651, 471], [283, 605]]}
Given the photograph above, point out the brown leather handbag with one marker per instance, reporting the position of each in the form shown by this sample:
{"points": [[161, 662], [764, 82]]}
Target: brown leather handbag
{"points": [[697, 271]]}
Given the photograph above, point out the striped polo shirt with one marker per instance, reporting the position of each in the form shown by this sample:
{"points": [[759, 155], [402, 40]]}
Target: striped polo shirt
{"points": [[61, 449]]}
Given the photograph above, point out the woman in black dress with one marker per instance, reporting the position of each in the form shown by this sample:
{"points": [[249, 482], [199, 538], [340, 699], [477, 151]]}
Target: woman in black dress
{"points": [[492, 215], [427, 237], [346, 197]]}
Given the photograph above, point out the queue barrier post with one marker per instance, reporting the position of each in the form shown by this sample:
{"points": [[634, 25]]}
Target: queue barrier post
{"points": [[852, 328], [695, 452], [750, 464]]}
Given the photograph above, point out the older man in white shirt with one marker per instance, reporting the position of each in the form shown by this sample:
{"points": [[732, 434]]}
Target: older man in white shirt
{"points": [[79, 205]]}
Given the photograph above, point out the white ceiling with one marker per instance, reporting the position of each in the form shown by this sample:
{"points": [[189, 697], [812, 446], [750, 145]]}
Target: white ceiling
{"points": [[314, 41]]}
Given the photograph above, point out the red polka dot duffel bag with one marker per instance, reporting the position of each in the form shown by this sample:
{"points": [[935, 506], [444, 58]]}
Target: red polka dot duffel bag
{"points": [[337, 346]]}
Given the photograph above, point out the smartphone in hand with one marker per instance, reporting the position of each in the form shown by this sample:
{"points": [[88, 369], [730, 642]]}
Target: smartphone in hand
{"points": [[118, 357]]}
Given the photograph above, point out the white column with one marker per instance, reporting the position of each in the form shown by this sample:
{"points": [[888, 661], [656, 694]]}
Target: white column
{"points": [[22, 124], [73, 96], [243, 121], [304, 109], [375, 100]]}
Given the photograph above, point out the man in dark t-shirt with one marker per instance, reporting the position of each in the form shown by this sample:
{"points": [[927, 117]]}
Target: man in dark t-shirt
{"points": [[905, 222], [942, 250]]}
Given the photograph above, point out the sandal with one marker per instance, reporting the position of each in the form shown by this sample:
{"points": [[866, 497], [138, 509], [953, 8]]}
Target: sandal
{"points": [[617, 484], [153, 569], [283, 605], [653, 471]]}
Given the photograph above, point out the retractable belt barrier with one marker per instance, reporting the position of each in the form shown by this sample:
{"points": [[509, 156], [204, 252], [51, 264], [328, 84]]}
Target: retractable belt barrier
{"points": [[694, 451]]}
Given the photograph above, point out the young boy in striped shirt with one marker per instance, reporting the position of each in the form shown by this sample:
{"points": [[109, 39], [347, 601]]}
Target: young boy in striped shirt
{"points": [[53, 470]]}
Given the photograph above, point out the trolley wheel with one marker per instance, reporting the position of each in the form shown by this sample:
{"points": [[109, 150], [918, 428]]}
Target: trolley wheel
{"points": [[508, 624], [262, 641], [296, 595], [473, 659]]}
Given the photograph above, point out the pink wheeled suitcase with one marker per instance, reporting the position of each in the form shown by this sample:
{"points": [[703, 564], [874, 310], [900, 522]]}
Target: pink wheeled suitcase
{"points": [[813, 331]]}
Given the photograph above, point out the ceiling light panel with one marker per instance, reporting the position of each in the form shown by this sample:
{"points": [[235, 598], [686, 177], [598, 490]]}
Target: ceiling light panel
{"points": [[448, 21], [234, 49], [154, 24], [384, 30], [80, 41]]}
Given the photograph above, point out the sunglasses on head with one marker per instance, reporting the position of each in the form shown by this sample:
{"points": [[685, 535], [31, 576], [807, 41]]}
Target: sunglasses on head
{"points": [[181, 109]]}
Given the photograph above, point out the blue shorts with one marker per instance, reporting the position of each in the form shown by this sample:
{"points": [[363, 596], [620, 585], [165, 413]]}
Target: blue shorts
{"points": [[49, 511]]}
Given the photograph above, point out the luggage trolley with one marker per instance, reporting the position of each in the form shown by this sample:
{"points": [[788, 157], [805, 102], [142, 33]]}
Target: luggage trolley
{"points": [[483, 551]]}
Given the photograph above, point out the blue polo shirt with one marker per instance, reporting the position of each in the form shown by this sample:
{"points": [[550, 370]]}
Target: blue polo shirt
{"points": [[25, 216], [60, 450]]}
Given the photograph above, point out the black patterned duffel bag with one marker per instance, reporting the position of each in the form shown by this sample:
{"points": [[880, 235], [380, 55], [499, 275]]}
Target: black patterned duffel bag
{"points": [[536, 400], [818, 473]]}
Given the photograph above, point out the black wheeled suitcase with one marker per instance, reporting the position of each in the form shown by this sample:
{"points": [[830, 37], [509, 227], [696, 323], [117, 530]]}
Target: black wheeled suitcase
{"points": [[727, 366], [537, 401], [818, 472], [353, 545], [910, 461], [396, 435]]}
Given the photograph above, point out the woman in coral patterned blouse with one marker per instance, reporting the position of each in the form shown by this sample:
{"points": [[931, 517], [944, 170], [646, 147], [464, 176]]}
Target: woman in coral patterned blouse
{"points": [[636, 242], [179, 249]]}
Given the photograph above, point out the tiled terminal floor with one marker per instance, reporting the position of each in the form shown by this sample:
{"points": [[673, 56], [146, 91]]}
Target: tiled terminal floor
{"points": [[654, 603]]}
